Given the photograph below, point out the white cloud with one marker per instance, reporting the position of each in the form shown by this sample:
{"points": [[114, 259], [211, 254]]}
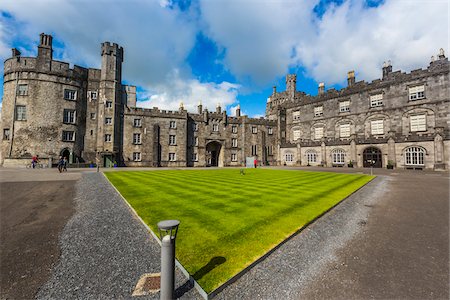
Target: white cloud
{"points": [[191, 93], [353, 37]]}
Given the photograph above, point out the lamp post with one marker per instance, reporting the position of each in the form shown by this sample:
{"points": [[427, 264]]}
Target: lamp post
{"points": [[167, 233]]}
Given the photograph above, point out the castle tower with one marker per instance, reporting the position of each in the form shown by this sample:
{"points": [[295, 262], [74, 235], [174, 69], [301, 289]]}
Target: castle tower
{"points": [[351, 78], [291, 85], [387, 68], [109, 138]]}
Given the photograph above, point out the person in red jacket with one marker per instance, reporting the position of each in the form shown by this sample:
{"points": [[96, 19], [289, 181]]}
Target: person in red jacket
{"points": [[256, 163]]}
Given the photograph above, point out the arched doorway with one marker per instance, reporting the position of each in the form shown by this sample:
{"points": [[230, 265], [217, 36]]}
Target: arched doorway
{"points": [[214, 155], [65, 153], [372, 158]]}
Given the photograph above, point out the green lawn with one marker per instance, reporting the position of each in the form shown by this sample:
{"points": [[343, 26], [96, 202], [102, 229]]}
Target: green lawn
{"points": [[229, 220]]}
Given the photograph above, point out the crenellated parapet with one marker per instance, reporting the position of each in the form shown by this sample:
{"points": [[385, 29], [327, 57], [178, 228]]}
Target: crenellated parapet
{"points": [[112, 49]]}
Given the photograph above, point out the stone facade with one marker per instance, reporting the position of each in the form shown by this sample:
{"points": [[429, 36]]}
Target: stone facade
{"points": [[88, 115], [401, 120]]}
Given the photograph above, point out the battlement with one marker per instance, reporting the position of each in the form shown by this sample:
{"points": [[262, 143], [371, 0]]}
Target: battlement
{"points": [[389, 78], [30, 64], [156, 112], [112, 49]]}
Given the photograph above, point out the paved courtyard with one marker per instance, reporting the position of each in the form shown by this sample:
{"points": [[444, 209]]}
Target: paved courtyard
{"points": [[70, 235]]}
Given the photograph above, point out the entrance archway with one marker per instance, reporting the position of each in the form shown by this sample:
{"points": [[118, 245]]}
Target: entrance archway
{"points": [[214, 154], [65, 153], [372, 157]]}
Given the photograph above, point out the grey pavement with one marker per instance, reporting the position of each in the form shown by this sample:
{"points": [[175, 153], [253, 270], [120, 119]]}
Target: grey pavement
{"points": [[388, 240]]}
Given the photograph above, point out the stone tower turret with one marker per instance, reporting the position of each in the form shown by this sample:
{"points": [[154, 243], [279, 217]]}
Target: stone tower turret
{"points": [[291, 85], [109, 139]]}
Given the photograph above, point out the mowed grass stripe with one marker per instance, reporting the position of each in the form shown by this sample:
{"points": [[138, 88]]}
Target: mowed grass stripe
{"points": [[236, 217]]}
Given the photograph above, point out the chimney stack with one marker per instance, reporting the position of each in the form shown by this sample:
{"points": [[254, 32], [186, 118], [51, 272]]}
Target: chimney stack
{"points": [[387, 68], [321, 88], [351, 78], [15, 52], [238, 110], [200, 107], [274, 90], [218, 108]]}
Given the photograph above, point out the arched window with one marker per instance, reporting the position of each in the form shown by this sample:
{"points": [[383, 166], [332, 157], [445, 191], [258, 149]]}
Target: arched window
{"points": [[289, 157], [414, 156], [338, 156], [311, 156]]}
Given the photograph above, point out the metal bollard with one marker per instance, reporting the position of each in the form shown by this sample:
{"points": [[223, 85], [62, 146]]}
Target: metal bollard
{"points": [[167, 267], [168, 232]]}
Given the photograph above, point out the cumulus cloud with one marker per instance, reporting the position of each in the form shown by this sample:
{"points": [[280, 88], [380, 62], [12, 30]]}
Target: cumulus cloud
{"points": [[354, 37], [189, 92]]}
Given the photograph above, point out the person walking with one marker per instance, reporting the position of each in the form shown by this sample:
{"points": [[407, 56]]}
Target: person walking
{"points": [[34, 161], [65, 162], [255, 163], [60, 164]]}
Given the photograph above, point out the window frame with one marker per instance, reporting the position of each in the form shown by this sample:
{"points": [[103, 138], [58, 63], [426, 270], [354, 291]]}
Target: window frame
{"points": [[137, 156], [22, 92], [234, 129], [415, 157], [21, 113], [413, 118], [344, 106], [108, 120], [296, 134], [65, 134], [318, 111], [233, 157], [375, 101], [6, 134], [345, 130], [316, 131], [67, 119], [289, 157], [311, 156], [234, 143], [338, 156], [137, 138], [418, 92], [108, 138], [173, 124], [254, 129], [172, 140], [70, 94], [376, 127], [137, 123], [172, 156], [108, 104]]}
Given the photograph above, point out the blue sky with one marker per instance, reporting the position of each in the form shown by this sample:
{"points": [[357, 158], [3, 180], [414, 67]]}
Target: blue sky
{"points": [[231, 52]]}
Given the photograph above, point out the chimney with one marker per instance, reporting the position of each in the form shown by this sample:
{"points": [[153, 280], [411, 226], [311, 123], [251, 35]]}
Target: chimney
{"points": [[15, 52], [238, 110], [218, 108], [321, 88], [441, 54], [274, 91], [351, 78], [199, 107], [181, 106], [291, 85], [387, 68], [45, 47]]}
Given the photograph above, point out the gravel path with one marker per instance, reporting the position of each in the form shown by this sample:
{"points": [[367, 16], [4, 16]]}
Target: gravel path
{"points": [[284, 273], [104, 249]]}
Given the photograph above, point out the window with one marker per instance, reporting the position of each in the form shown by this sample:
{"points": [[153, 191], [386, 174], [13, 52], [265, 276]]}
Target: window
{"points": [[215, 127], [137, 123], [195, 141], [344, 130], [376, 100], [172, 140], [69, 116], [296, 115], [108, 121], [70, 94], [173, 125], [137, 138], [377, 127], [195, 127], [344, 106], [137, 156], [68, 136], [270, 130], [289, 157], [22, 90], [233, 157], [338, 156], [21, 112], [107, 138], [194, 157], [254, 150], [417, 92], [414, 156], [172, 157], [254, 129], [296, 134], [311, 156], [234, 143], [108, 104], [234, 129], [92, 116], [6, 133], [418, 123], [269, 150], [318, 111], [93, 95], [318, 133]]}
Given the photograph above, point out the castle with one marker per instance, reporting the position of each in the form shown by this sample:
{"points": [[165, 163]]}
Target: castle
{"points": [[88, 116]]}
